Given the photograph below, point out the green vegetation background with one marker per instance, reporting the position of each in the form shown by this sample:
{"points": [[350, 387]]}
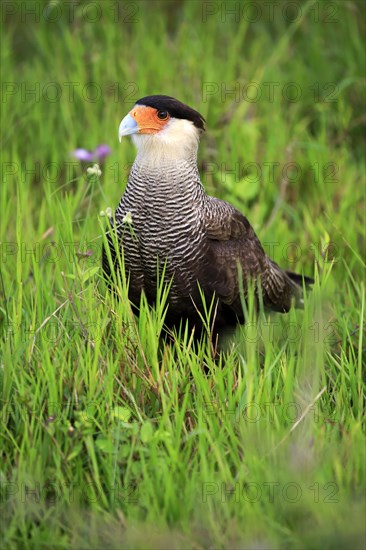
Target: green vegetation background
{"points": [[109, 439]]}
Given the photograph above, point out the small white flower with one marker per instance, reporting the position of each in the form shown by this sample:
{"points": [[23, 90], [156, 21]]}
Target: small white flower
{"points": [[94, 170], [127, 218], [107, 212]]}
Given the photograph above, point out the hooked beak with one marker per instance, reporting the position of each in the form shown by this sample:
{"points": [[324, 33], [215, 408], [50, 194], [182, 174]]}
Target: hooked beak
{"points": [[127, 127]]}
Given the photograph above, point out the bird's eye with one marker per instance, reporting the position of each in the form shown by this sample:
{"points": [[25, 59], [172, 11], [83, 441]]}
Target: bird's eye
{"points": [[163, 115]]}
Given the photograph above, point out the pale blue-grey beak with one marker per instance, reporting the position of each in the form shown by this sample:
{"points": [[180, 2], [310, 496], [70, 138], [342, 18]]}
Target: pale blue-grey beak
{"points": [[127, 127]]}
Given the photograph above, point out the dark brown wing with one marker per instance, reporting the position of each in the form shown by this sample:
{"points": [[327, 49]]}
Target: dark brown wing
{"points": [[234, 247]]}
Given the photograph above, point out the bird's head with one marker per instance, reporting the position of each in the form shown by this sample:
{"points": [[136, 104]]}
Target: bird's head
{"points": [[162, 124]]}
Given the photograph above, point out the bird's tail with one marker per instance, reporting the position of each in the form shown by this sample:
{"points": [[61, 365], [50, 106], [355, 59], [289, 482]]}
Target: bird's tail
{"points": [[285, 287], [300, 281]]}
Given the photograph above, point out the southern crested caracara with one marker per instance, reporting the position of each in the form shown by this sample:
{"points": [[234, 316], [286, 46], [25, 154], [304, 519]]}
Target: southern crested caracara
{"points": [[166, 219]]}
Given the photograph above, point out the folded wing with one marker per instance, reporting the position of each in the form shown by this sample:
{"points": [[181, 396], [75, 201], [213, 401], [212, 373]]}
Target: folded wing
{"points": [[235, 251]]}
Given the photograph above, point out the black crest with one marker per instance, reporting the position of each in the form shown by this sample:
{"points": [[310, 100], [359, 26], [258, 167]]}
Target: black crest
{"points": [[175, 108]]}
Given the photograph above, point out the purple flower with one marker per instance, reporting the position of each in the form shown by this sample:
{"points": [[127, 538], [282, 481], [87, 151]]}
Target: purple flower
{"points": [[99, 154], [102, 151], [83, 154]]}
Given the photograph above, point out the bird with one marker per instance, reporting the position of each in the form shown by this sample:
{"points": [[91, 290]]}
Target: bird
{"points": [[167, 223]]}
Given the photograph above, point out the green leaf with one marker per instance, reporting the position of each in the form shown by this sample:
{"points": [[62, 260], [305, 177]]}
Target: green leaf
{"points": [[77, 449], [105, 445], [147, 432], [90, 273], [121, 413]]}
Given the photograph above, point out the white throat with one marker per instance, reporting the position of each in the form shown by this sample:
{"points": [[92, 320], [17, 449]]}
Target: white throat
{"points": [[177, 142]]}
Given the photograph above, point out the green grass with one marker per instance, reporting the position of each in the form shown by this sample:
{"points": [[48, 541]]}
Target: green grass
{"points": [[129, 443]]}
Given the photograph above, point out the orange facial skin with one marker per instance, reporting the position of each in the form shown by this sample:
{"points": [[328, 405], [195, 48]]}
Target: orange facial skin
{"points": [[148, 120]]}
